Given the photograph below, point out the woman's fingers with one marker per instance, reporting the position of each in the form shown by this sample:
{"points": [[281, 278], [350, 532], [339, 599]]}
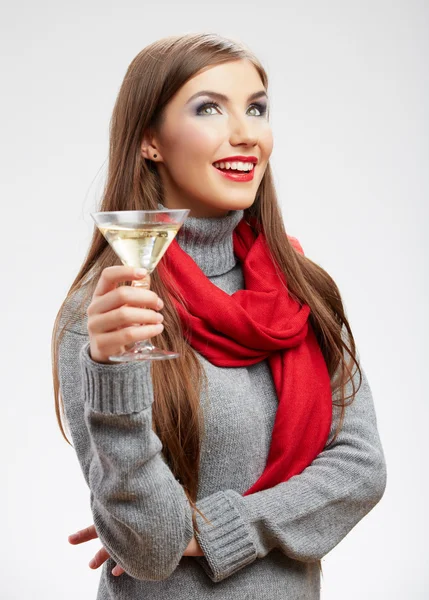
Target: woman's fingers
{"points": [[125, 316], [101, 557], [90, 533], [124, 294], [117, 341], [111, 331], [111, 276], [84, 535], [117, 570]]}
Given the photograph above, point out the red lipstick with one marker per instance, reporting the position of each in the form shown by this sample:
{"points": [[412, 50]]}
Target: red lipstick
{"points": [[235, 175], [237, 158]]}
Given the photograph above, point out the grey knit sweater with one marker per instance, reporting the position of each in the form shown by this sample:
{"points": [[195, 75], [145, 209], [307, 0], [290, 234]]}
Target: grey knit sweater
{"points": [[266, 545]]}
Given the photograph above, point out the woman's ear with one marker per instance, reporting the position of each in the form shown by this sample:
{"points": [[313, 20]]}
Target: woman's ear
{"points": [[149, 148]]}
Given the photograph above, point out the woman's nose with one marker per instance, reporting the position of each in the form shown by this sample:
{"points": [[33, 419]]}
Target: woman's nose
{"points": [[243, 132]]}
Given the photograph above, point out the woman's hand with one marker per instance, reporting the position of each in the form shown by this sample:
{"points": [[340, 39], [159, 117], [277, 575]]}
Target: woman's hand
{"points": [[193, 548], [84, 535], [115, 310]]}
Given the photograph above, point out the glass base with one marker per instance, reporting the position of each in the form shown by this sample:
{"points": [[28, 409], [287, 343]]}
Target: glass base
{"points": [[143, 354]]}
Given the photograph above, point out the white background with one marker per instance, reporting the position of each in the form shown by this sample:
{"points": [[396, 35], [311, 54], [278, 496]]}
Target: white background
{"points": [[350, 96]]}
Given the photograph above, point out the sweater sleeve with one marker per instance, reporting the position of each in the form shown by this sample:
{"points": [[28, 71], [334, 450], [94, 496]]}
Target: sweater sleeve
{"points": [[141, 513], [308, 515]]}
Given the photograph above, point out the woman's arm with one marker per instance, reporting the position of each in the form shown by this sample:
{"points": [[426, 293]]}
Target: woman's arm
{"points": [[141, 513], [305, 517], [308, 515]]}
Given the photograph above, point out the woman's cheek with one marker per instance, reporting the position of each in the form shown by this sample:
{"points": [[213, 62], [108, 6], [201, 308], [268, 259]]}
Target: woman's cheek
{"points": [[266, 141], [202, 143]]}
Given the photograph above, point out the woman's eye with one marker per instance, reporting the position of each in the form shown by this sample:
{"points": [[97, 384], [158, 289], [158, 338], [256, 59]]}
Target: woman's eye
{"points": [[260, 108], [201, 110]]}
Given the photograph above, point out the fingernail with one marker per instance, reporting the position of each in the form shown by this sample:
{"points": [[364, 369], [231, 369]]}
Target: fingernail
{"points": [[160, 303], [141, 272], [73, 537], [92, 562]]}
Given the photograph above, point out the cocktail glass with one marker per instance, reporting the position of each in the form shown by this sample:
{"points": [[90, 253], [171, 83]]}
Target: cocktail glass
{"points": [[140, 238]]}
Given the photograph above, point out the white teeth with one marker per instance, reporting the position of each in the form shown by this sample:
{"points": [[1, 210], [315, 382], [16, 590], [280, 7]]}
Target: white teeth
{"points": [[237, 166]]}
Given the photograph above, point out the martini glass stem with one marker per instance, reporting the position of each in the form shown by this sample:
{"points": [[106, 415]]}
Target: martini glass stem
{"points": [[143, 345]]}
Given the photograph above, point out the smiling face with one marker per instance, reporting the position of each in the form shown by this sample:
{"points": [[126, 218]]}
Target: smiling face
{"points": [[201, 128]]}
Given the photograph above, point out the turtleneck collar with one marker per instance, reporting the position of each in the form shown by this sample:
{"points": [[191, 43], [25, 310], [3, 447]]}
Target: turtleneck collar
{"points": [[208, 241]]}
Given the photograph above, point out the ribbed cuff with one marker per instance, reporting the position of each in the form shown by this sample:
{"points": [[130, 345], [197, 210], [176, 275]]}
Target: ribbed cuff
{"points": [[227, 544], [116, 388]]}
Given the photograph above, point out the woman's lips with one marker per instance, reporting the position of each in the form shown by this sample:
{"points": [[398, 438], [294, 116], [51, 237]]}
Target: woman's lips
{"points": [[235, 175]]}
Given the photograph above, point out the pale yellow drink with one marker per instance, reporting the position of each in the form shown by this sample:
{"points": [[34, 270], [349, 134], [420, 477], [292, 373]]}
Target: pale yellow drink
{"points": [[140, 246]]}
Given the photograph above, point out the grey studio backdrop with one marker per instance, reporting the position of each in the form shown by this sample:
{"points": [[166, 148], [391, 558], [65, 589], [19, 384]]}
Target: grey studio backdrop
{"points": [[349, 97]]}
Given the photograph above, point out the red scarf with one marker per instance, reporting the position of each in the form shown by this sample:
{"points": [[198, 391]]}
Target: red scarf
{"points": [[257, 323]]}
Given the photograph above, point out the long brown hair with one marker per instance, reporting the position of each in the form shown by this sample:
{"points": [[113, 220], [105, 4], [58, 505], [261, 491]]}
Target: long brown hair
{"points": [[133, 183]]}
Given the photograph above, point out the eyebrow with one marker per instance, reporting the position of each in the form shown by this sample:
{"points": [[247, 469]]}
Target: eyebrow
{"points": [[224, 98]]}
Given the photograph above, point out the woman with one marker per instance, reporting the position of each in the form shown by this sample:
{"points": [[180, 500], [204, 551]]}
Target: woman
{"points": [[240, 489]]}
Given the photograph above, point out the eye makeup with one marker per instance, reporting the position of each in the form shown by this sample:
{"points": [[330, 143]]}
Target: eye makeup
{"points": [[262, 108]]}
